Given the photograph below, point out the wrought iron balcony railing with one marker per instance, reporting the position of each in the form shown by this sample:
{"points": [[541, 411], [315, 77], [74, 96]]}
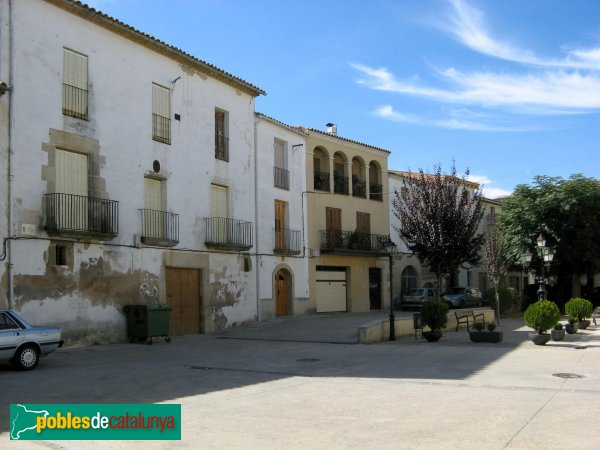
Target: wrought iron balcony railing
{"points": [[376, 191], [228, 233], [353, 242], [321, 181], [160, 227], [359, 188], [340, 184], [281, 178], [288, 242], [221, 147], [68, 214], [161, 128], [75, 102]]}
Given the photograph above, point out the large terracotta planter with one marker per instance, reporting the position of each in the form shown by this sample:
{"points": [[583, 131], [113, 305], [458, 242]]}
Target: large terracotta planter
{"points": [[539, 338], [486, 336], [432, 336]]}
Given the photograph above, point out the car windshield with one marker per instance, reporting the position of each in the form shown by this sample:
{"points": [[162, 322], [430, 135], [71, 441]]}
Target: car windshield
{"points": [[415, 292], [456, 290]]}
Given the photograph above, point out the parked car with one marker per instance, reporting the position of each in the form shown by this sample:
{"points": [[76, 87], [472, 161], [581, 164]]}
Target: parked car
{"points": [[415, 297], [461, 297], [23, 344]]}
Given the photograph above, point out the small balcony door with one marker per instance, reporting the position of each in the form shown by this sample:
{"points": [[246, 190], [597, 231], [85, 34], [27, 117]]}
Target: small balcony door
{"points": [[153, 207], [71, 178], [280, 224], [219, 210]]}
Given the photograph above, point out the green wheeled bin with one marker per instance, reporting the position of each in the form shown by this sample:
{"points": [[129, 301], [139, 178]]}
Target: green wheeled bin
{"points": [[148, 321]]}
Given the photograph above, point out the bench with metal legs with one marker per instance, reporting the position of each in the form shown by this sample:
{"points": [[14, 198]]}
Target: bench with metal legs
{"points": [[464, 318]]}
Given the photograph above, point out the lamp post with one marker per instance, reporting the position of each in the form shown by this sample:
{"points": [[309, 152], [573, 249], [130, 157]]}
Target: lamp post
{"points": [[390, 248], [546, 255]]}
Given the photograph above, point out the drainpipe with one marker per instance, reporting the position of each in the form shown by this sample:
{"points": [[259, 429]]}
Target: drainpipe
{"points": [[257, 252]]}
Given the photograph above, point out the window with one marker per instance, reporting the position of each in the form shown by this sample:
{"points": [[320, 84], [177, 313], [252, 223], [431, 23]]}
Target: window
{"points": [[60, 254], [161, 114], [6, 323], [281, 176], [221, 135], [153, 209], [363, 222], [333, 225], [280, 224], [75, 84]]}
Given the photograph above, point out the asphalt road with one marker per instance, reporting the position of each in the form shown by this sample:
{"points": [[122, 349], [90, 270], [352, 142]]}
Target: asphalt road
{"points": [[239, 392]]}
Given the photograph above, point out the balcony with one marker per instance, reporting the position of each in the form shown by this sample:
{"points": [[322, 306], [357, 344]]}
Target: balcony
{"points": [[321, 181], [288, 242], [221, 147], [353, 242], [79, 216], [160, 228], [161, 128], [228, 234], [359, 188], [340, 184], [281, 178], [75, 102], [376, 192]]}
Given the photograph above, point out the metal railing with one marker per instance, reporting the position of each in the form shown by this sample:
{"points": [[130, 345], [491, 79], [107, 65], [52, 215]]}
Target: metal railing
{"points": [[340, 184], [376, 191], [228, 233], [160, 227], [68, 213], [221, 147], [75, 101], [161, 128], [321, 181], [281, 178], [288, 241], [359, 188], [332, 240]]}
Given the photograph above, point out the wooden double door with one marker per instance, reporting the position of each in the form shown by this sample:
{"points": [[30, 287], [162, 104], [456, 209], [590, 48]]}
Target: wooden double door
{"points": [[184, 287]]}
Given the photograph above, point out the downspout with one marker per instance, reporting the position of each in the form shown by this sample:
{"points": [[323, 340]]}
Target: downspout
{"points": [[9, 159], [257, 252]]}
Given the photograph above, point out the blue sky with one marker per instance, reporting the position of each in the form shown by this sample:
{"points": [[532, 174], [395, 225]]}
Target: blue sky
{"points": [[508, 89]]}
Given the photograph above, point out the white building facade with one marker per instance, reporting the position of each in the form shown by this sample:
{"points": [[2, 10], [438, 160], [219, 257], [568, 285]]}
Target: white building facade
{"points": [[128, 177]]}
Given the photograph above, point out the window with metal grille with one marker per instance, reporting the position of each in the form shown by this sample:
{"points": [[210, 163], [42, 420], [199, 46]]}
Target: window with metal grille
{"points": [[161, 114], [75, 84]]}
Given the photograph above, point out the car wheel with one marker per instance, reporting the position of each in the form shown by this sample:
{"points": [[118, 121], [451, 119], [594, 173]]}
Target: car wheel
{"points": [[26, 358], [462, 304], [480, 303]]}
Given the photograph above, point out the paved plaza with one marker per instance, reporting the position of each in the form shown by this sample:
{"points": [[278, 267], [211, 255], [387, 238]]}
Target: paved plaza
{"points": [[286, 384]]}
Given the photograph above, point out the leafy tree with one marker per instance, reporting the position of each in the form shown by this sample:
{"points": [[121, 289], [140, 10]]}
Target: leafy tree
{"points": [[438, 220], [496, 263], [567, 212]]}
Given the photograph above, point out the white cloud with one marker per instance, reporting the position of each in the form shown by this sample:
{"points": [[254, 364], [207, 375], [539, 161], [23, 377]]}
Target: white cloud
{"points": [[468, 26], [480, 179], [488, 191]]}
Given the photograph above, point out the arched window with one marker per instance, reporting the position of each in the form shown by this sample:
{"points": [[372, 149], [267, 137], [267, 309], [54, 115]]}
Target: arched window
{"points": [[408, 279]]}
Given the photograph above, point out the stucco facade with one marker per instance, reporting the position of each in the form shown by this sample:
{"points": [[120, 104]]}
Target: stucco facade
{"points": [[348, 223], [81, 281]]}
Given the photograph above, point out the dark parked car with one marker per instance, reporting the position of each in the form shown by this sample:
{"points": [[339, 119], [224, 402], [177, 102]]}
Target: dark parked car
{"points": [[415, 297], [461, 297], [23, 344]]}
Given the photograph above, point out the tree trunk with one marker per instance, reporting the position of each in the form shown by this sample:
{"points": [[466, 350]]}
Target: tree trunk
{"points": [[497, 295], [576, 285], [439, 287]]}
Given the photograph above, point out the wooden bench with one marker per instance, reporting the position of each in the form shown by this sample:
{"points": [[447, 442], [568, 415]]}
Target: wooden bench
{"points": [[466, 316]]}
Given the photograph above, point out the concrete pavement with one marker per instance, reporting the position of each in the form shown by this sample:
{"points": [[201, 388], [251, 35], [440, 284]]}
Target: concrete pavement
{"points": [[268, 393]]}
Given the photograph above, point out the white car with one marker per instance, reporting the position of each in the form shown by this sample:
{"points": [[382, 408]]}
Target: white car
{"points": [[23, 344]]}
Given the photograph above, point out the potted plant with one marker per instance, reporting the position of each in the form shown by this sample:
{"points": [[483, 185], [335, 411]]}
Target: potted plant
{"points": [[434, 315], [558, 333], [541, 316], [491, 335], [572, 326], [580, 308]]}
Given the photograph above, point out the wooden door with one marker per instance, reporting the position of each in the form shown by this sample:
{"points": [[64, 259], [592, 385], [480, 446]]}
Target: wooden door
{"points": [[183, 295], [281, 306], [333, 225], [280, 224]]}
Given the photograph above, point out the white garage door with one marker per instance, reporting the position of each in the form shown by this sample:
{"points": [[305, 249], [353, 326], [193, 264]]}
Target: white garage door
{"points": [[331, 291]]}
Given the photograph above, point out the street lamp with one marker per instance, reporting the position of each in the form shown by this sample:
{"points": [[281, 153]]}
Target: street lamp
{"points": [[390, 249], [546, 255]]}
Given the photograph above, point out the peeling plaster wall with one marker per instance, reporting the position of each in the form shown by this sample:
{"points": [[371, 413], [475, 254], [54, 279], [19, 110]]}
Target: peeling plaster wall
{"points": [[86, 296]]}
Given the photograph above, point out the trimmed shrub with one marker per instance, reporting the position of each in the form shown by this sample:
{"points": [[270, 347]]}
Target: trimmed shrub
{"points": [[478, 326], [434, 315], [579, 308], [542, 315], [491, 326]]}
